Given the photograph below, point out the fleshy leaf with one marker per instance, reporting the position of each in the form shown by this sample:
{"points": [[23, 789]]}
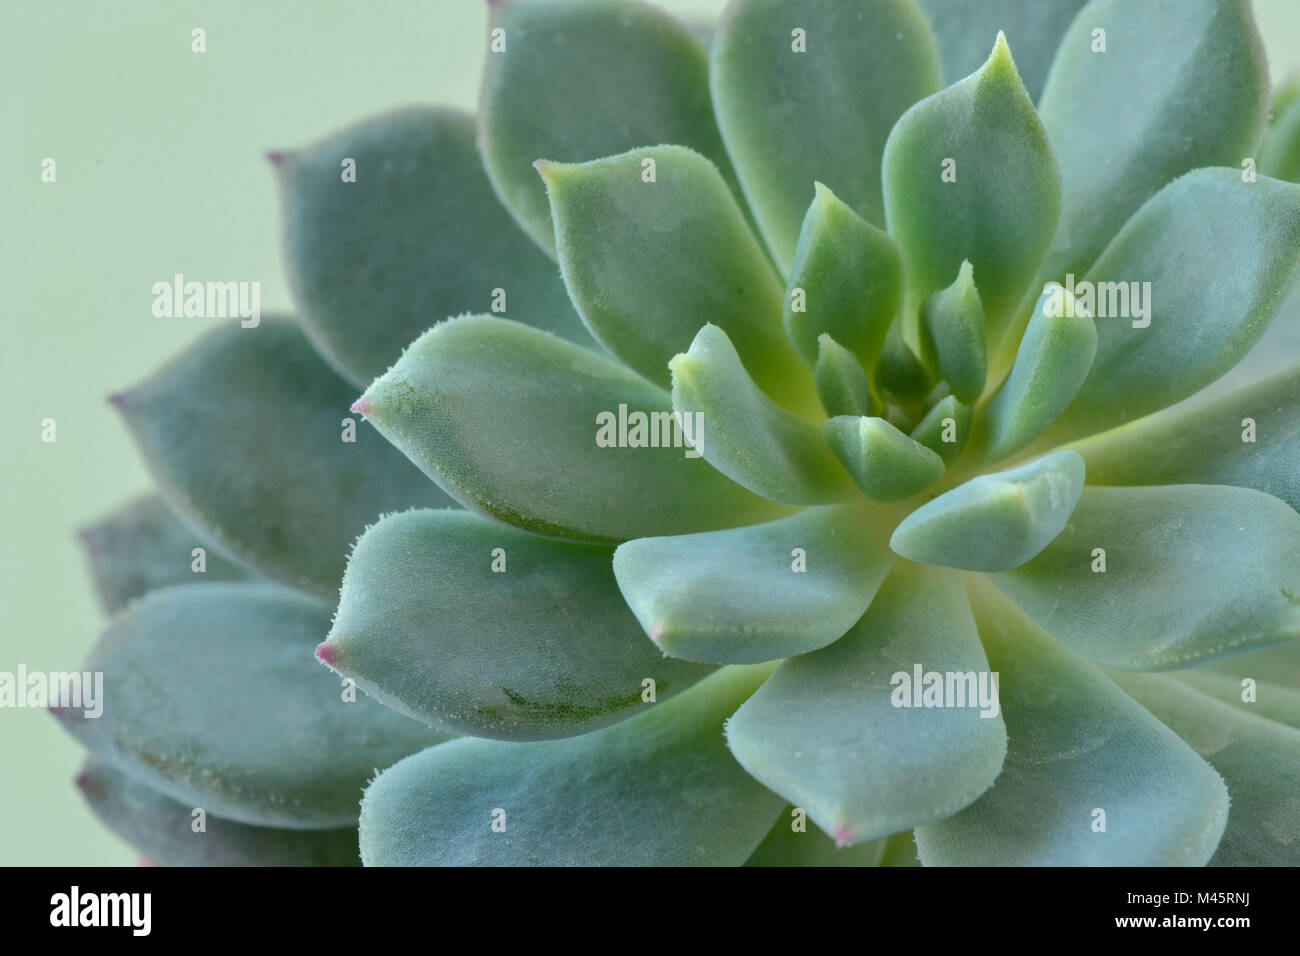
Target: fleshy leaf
{"points": [[841, 381], [886, 464], [944, 428], [143, 546], [1192, 572], [995, 521], [1178, 86], [760, 592], [1214, 256], [842, 732], [847, 280], [1053, 360], [899, 374], [405, 632], [658, 790], [965, 28], [1277, 665], [414, 236], [246, 435], [648, 262], [163, 829], [786, 846], [778, 73], [1259, 759], [574, 80], [524, 427], [1250, 438], [1280, 155], [747, 436], [952, 336], [1077, 744], [968, 174], [210, 695], [1260, 697]]}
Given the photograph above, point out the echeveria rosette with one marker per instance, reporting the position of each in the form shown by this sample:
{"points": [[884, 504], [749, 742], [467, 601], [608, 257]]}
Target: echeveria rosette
{"points": [[914, 451]]}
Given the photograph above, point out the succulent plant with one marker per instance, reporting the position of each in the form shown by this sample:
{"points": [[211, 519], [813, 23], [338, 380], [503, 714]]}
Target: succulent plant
{"points": [[834, 501]]}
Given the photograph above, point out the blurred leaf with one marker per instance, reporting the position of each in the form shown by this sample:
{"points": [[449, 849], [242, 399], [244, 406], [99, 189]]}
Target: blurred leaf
{"points": [[760, 592], [948, 417], [886, 464], [841, 731], [210, 695], [244, 434], [1279, 665], [785, 846], [1273, 701], [659, 790], [416, 236], [509, 420], [1076, 745], [1192, 572], [841, 381], [994, 521], [1280, 155], [952, 336], [899, 374], [406, 633], [862, 62]]}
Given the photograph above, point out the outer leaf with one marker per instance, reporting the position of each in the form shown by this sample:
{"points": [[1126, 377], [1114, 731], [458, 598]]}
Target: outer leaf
{"points": [[866, 61], [580, 79], [1219, 254], [841, 381], [507, 419], [828, 732], [1077, 743], [211, 696], [944, 428], [648, 263], [995, 521], [660, 790], [243, 433], [1193, 572], [952, 336], [1208, 444], [1274, 701], [143, 546], [406, 633], [1260, 761], [760, 592], [1280, 155], [886, 464], [747, 436], [785, 846], [1000, 210], [1179, 86], [965, 28], [416, 237], [162, 829]]}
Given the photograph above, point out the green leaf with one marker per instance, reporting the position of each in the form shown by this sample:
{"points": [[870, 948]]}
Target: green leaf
{"points": [[1000, 209], [816, 104], [886, 464], [1077, 744], [899, 374], [659, 790], [1179, 86], [965, 28], [1266, 699], [162, 829], [786, 846], [1279, 665], [143, 546], [1053, 360], [944, 428], [244, 434], [1280, 155], [900, 850], [841, 381], [210, 695], [760, 592], [581, 79], [416, 235], [1260, 761], [1219, 255], [994, 521], [511, 421], [1192, 572], [847, 280], [952, 336], [1207, 444], [746, 435], [649, 262], [842, 731], [405, 632]]}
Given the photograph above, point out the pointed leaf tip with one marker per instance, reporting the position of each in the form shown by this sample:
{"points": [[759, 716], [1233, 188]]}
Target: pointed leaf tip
{"points": [[327, 653], [361, 406]]}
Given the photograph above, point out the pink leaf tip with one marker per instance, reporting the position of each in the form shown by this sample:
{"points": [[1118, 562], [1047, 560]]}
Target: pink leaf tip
{"points": [[82, 780], [327, 653], [275, 156], [843, 836], [362, 406], [117, 399]]}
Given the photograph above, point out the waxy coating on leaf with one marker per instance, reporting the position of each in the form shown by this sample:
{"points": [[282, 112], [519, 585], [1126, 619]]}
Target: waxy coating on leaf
{"points": [[841, 381], [1277, 702], [547, 647], [1280, 155], [945, 428], [952, 336], [886, 464]]}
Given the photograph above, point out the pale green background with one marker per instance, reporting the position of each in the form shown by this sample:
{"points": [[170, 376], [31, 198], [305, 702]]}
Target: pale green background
{"points": [[160, 170]]}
